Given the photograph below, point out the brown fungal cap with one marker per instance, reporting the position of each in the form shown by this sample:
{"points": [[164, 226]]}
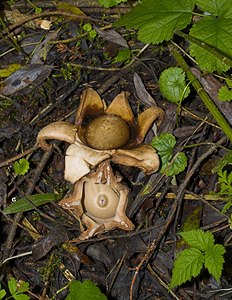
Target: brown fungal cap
{"points": [[107, 132]]}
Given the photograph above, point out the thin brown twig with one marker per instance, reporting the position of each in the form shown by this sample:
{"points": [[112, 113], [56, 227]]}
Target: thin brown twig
{"points": [[18, 216], [23, 154], [172, 213]]}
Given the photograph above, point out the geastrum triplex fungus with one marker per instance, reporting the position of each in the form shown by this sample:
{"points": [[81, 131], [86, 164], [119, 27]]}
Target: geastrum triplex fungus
{"points": [[103, 134]]}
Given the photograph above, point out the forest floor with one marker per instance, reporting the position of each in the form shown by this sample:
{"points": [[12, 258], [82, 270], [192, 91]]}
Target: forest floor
{"points": [[54, 63]]}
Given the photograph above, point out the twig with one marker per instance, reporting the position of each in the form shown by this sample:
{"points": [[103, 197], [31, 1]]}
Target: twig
{"points": [[172, 213], [18, 216]]}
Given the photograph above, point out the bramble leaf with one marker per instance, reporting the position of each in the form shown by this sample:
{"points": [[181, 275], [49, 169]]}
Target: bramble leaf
{"points": [[21, 166], [224, 94], [157, 20], [84, 290], [198, 239], [216, 32], [187, 265], [215, 7], [28, 203], [214, 260], [172, 84]]}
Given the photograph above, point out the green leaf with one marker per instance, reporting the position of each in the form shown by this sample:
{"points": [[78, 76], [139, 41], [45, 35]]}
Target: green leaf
{"points": [[85, 290], [172, 84], [177, 165], [157, 20], [12, 285], [21, 167], [225, 160], [224, 94], [21, 297], [24, 204], [164, 144], [214, 260], [214, 7], [23, 287], [229, 82], [110, 3], [216, 32], [2, 294], [198, 239], [123, 56], [187, 265]]}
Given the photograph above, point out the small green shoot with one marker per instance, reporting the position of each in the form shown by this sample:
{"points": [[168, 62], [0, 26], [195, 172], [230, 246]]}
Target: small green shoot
{"points": [[21, 166], [164, 144], [123, 56], [89, 29], [84, 290], [110, 3], [173, 85], [16, 289], [202, 252]]}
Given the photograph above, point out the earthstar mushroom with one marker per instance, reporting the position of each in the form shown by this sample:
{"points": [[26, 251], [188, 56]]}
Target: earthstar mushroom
{"points": [[120, 140]]}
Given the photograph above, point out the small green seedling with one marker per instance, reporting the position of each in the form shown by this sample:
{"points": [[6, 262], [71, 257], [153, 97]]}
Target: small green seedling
{"points": [[84, 290], [16, 290], [21, 166]]}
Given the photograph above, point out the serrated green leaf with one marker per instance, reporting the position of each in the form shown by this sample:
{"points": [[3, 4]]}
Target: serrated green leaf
{"points": [[12, 286], [229, 82], [187, 265], [215, 7], [176, 166], [216, 32], [24, 204], [2, 294], [164, 144], [157, 20], [84, 290], [198, 239], [21, 167], [21, 297], [214, 260], [172, 84], [224, 94]]}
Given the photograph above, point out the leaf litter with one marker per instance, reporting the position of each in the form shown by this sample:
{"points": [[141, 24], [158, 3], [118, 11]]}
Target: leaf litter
{"points": [[47, 88]]}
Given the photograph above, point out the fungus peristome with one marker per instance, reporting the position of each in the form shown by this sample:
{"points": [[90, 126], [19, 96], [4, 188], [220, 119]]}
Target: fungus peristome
{"points": [[99, 201]]}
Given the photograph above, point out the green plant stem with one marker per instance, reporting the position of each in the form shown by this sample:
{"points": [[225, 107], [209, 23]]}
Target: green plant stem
{"points": [[227, 60], [202, 93]]}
